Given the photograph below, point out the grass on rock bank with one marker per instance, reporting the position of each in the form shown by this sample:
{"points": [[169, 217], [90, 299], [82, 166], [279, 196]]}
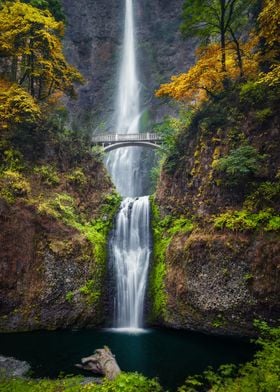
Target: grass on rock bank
{"points": [[163, 230]]}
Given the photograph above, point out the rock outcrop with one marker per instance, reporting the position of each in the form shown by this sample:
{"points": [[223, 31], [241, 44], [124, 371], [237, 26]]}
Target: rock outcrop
{"points": [[93, 43], [12, 367], [220, 279], [52, 258]]}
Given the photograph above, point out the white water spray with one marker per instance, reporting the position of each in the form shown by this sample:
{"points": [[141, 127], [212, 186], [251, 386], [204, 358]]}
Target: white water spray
{"points": [[130, 243]]}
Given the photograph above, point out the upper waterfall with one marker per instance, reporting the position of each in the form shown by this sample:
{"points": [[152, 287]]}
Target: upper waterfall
{"points": [[128, 111], [124, 164]]}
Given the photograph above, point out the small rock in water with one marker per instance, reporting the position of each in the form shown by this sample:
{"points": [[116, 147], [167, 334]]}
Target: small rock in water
{"points": [[12, 367]]}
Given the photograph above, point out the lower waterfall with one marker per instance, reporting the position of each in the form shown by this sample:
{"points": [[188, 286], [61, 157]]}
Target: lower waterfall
{"points": [[131, 249]]}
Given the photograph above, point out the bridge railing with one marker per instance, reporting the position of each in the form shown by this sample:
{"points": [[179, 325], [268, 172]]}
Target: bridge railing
{"points": [[130, 137]]}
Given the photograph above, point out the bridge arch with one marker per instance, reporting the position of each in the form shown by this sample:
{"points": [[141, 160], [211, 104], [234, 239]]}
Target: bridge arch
{"points": [[112, 141], [115, 146]]}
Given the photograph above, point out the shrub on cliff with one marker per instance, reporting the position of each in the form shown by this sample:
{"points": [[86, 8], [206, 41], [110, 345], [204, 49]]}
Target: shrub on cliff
{"points": [[240, 165]]}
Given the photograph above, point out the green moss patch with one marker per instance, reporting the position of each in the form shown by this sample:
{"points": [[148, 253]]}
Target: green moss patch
{"points": [[163, 232], [125, 382]]}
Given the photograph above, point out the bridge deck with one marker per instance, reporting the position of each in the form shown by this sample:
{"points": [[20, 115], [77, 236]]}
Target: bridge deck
{"points": [[109, 138]]}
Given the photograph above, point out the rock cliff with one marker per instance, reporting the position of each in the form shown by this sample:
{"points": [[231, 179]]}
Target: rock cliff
{"points": [[93, 43], [219, 278], [55, 216]]}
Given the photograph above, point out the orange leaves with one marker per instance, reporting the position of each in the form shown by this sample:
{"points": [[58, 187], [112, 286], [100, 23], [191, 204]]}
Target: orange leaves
{"points": [[206, 76]]}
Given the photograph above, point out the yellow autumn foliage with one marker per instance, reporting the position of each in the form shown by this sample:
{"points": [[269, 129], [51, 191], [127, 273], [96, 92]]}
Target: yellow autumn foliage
{"points": [[16, 106], [206, 76], [30, 41], [269, 20]]}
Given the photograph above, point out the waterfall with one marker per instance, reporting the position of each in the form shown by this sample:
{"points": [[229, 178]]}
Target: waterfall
{"points": [[130, 245], [130, 242], [123, 164]]}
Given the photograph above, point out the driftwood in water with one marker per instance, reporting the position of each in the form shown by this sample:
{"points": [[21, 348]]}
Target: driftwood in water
{"points": [[102, 362]]}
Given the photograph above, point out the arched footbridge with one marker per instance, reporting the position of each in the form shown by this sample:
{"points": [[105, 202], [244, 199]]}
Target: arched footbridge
{"points": [[112, 141]]}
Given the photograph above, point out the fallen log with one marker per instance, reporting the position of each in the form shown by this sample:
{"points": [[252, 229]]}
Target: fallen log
{"points": [[103, 362]]}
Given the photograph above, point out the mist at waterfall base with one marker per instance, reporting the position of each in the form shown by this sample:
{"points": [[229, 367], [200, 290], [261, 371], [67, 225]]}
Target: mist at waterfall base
{"points": [[169, 355]]}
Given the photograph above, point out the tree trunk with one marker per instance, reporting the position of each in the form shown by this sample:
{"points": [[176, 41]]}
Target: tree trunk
{"points": [[238, 52], [14, 69], [102, 362], [223, 34]]}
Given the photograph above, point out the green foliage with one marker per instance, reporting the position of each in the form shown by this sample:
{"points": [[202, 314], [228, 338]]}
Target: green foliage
{"points": [[163, 232], [273, 224], [110, 206], [125, 382], [211, 20], [245, 220], [63, 207], [13, 185], [260, 375], [25, 385], [128, 382], [54, 6], [158, 270], [248, 277], [265, 196], [171, 128], [91, 291], [218, 21], [256, 95], [263, 114], [48, 174], [11, 158], [240, 165], [77, 177], [69, 296], [252, 93], [181, 225], [98, 153]]}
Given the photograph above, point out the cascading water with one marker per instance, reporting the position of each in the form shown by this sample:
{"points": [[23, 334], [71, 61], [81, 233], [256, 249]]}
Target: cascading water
{"points": [[131, 250], [123, 164], [130, 243]]}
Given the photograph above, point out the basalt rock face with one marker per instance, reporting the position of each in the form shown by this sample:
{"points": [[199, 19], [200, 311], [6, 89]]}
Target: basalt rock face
{"points": [[220, 280], [93, 43], [52, 271], [37, 272]]}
